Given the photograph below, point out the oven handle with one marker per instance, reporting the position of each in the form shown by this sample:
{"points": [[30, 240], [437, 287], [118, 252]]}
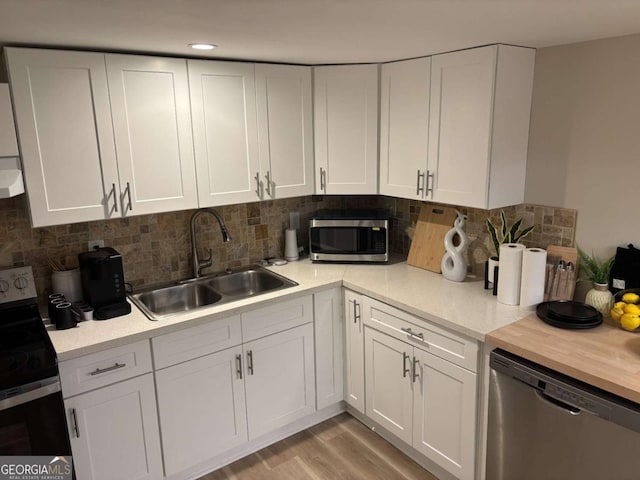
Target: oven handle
{"points": [[30, 395]]}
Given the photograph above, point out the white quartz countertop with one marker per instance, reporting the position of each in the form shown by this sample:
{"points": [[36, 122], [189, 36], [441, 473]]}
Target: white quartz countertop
{"points": [[463, 307]]}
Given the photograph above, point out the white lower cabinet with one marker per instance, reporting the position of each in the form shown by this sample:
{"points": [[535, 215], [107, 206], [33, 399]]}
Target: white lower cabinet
{"points": [[354, 351], [421, 385], [280, 382], [114, 432], [202, 408]]}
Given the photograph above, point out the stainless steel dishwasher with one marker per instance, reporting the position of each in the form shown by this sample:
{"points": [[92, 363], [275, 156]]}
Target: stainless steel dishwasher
{"points": [[546, 426]]}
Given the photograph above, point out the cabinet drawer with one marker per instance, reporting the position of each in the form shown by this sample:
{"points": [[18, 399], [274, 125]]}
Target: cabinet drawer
{"points": [[276, 318], [425, 335], [104, 368], [196, 342]]}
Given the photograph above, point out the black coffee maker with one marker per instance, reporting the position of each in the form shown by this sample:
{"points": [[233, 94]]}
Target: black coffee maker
{"points": [[103, 283]]}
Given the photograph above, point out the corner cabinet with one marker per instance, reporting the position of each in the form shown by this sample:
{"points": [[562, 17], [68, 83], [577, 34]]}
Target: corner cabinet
{"points": [[116, 128], [454, 127], [354, 351], [346, 129]]}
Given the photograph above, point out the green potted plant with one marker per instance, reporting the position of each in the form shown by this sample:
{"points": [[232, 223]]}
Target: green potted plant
{"points": [[506, 234], [597, 272]]}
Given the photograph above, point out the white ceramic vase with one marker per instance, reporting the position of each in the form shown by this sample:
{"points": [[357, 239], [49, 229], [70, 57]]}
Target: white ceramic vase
{"points": [[600, 298], [453, 265]]}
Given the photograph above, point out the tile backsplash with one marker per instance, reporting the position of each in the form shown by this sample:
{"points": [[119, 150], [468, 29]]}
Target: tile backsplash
{"points": [[156, 248]]}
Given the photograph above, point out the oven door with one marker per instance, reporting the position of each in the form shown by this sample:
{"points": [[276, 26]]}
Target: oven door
{"points": [[32, 422]]}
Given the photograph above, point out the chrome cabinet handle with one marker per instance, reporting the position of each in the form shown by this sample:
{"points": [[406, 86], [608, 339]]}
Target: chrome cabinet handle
{"points": [[269, 182], [115, 197], [250, 362], [323, 180], [415, 369], [74, 421], [258, 185], [130, 206], [239, 366], [419, 188], [115, 366], [408, 331], [405, 370], [356, 312], [429, 189]]}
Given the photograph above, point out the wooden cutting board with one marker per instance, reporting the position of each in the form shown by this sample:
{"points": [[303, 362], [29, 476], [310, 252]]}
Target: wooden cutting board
{"points": [[427, 245]]}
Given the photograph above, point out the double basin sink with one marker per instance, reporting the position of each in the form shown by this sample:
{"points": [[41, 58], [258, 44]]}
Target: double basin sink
{"points": [[167, 300]]}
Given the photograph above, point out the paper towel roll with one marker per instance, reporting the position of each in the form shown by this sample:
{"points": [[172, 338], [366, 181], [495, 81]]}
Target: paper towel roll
{"points": [[290, 245], [510, 273], [534, 266]]}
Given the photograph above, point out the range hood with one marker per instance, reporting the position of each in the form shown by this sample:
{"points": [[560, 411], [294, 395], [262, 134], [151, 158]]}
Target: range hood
{"points": [[11, 183]]}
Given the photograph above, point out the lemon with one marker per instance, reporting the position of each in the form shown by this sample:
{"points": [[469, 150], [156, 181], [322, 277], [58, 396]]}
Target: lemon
{"points": [[632, 309], [631, 298], [616, 313], [629, 321], [619, 305]]}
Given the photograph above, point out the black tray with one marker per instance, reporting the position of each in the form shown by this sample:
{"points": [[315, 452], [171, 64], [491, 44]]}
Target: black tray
{"points": [[569, 314]]}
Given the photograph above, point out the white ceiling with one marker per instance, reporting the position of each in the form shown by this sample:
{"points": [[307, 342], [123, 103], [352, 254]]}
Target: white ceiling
{"points": [[311, 31]]}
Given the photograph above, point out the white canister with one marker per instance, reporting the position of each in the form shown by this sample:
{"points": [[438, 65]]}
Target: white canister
{"points": [[68, 283], [290, 245]]}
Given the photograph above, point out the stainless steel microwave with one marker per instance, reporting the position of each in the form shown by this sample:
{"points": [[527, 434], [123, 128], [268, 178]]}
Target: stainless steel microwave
{"points": [[349, 236]]}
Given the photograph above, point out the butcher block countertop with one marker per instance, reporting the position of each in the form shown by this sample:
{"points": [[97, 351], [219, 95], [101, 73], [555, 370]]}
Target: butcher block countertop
{"points": [[606, 356]]}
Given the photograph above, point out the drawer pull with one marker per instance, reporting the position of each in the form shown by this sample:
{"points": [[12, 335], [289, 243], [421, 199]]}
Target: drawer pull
{"points": [[74, 419], [405, 370], [115, 366], [408, 331]]}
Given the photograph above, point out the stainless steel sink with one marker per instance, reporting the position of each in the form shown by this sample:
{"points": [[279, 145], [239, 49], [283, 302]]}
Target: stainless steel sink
{"points": [[164, 301], [248, 283]]}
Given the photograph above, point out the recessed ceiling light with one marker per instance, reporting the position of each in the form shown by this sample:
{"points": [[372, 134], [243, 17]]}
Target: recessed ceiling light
{"points": [[202, 46]]}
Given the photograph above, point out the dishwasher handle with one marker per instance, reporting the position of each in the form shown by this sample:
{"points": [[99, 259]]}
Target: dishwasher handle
{"points": [[570, 409]]}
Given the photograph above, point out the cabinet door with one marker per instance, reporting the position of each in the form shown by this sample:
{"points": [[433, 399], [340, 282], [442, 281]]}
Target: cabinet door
{"points": [[202, 409], [152, 130], [354, 351], [329, 336], [223, 106], [389, 378], [444, 415], [114, 432], [285, 133], [63, 120], [346, 129], [279, 381], [462, 89], [404, 127]]}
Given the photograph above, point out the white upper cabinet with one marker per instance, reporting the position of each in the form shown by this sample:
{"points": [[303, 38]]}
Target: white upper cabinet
{"points": [[102, 136], [285, 132], [8, 144], [404, 127], [223, 106], [63, 120], [479, 125], [152, 130], [346, 129]]}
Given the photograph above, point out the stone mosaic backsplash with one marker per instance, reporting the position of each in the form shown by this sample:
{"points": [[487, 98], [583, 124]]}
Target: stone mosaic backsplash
{"points": [[156, 248]]}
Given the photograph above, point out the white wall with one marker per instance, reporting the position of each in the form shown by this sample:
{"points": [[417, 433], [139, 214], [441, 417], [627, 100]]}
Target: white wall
{"points": [[584, 144]]}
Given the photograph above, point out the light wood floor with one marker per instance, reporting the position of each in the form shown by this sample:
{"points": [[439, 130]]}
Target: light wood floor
{"points": [[341, 448]]}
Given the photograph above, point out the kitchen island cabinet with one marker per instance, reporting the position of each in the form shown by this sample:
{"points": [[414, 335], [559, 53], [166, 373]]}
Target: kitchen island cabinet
{"points": [[346, 129], [115, 127]]}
